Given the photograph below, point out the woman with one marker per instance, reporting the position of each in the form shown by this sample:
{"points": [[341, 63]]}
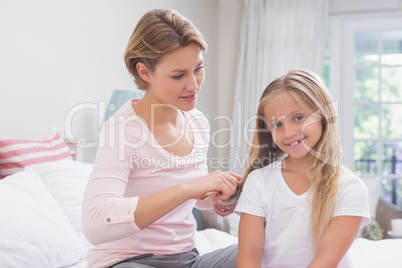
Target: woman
{"points": [[152, 170]]}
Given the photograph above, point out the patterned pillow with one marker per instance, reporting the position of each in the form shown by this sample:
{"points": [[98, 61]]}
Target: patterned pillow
{"points": [[16, 154]]}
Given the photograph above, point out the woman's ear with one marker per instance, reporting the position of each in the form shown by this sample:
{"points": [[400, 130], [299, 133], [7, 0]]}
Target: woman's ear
{"points": [[143, 71]]}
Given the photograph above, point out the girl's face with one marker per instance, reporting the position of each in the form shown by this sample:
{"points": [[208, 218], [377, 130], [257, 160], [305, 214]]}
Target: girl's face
{"points": [[294, 129], [178, 77]]}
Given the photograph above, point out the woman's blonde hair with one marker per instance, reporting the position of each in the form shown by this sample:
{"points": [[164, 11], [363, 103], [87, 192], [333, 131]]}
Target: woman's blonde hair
{"points": [[158, 32], [310, 92]]}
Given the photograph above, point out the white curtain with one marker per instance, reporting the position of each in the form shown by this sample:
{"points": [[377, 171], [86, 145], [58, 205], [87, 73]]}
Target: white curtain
{"points": [[276, 36]]}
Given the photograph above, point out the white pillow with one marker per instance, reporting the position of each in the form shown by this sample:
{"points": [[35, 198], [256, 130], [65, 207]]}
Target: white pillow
{"points": [[233, 220], [66, 181], [16, 154], [34, 232], [209, 240]]}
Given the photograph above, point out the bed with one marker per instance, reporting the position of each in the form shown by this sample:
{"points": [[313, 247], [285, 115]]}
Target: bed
{"points": [[40, 220]]}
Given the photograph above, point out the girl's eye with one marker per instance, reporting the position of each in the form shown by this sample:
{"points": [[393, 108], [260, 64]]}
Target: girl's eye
{"points": [[299, 118], [199, 69], [277, 125]]}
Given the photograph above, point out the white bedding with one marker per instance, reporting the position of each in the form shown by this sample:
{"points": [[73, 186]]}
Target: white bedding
{"points": [[386, 253], [65, 180], [365, 253]]}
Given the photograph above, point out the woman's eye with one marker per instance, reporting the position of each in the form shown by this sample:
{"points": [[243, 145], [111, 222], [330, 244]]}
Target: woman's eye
{"points": [[177, 77], [199, 69]]}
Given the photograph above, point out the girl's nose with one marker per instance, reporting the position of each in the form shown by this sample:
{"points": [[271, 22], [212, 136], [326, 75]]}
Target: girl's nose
{"points": [[290, 130]]}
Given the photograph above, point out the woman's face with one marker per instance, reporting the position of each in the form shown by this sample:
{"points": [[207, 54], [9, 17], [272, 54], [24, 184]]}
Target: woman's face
{"points": [[294, 129], [178, 77]]}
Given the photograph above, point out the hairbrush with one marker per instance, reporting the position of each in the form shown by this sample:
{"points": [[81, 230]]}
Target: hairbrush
{"points": [[233, 197]]}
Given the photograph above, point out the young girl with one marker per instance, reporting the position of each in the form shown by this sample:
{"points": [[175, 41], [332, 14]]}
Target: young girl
{"points": [[299, 206], [151, 171]]}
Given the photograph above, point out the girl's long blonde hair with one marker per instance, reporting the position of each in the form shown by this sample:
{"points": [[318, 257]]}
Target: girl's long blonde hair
{"points": [[309, 91]]}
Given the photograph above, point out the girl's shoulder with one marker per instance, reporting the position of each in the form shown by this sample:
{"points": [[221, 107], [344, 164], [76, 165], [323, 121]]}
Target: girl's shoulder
{"points": [[347, 175], [349, 181], [265, 180], [353, 197], [268, 171]]}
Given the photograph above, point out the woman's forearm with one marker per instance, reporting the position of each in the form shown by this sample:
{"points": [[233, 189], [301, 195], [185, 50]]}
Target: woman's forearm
{"points": [[108, 216], [152, 207]]}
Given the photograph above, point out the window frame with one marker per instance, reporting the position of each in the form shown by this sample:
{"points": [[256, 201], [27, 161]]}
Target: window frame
{"points": [[341, 81]]}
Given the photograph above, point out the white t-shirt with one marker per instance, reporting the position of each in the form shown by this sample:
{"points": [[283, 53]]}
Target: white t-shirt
{"points": [[288, 238]]}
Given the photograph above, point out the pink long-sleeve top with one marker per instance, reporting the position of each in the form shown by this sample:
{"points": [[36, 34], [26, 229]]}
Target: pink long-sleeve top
{"points": [[129, 164]]}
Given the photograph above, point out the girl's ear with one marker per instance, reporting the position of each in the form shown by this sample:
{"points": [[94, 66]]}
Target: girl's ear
{"points": [[143, 71]]}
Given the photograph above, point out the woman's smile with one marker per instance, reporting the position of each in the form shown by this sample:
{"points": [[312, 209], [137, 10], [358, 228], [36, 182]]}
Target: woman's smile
{"points": [[189, 98]]}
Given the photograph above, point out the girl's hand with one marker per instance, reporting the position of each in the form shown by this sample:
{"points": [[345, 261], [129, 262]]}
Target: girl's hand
{"points": [[223, 182], [223, 209]]}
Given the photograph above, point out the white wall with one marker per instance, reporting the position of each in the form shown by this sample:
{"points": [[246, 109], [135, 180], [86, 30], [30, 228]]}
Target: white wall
{"points": [[229, 36], [55, 55]]}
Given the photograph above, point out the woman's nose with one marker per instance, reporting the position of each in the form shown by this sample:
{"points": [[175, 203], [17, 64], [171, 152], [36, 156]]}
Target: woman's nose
{"points": [[192, 84]]}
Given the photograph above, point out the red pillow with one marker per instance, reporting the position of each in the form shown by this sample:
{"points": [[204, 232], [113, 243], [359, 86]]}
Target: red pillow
{"points": [[17, 154]]}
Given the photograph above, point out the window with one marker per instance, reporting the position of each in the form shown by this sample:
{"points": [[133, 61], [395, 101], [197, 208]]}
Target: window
{"points": [[377, 128], [371, 97]]}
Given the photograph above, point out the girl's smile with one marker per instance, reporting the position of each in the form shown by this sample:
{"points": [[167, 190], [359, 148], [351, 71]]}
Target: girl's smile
{"points": [[295, 143]]}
